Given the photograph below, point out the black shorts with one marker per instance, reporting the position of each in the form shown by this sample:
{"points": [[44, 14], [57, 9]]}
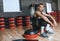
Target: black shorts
{"points": [[42, 22]]}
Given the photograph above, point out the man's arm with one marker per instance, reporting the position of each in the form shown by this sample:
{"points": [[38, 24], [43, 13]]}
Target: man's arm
{"points": [[45, 14], [43, 17], [55, 23]]}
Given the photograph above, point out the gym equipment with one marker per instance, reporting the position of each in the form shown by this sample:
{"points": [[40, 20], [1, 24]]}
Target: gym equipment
{"points": [[27, 21], [31, 34], [24, 40], [12, 24], [19, 22], [2, 24]]}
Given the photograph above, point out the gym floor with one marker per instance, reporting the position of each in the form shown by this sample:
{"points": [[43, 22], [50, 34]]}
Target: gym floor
{"points": [[9, 35]]}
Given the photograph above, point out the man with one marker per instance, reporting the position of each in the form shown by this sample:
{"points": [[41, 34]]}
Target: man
{"points": [[44, 19]]}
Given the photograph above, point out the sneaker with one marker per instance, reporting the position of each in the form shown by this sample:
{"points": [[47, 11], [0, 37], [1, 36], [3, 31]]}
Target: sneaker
{"points": [[44, 35], [49, 32]]}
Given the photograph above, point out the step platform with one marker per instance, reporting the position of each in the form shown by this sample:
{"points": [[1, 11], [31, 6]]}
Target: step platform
{"points": [[24, 40]]}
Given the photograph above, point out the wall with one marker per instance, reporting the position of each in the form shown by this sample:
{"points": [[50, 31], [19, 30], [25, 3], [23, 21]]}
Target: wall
{"points": [[58, 17], [59, 5], [25, 10]]}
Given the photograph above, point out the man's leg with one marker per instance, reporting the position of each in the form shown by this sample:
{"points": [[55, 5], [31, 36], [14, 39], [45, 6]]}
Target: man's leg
{"points": [[49, 29], [43, 34]]}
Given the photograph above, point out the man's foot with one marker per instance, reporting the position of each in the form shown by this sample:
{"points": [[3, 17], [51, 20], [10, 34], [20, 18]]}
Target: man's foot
{"points": [[49, 32], [44, 35]]}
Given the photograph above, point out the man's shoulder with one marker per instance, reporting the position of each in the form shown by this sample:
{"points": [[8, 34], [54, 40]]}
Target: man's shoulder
{"points": [[37, 12]]}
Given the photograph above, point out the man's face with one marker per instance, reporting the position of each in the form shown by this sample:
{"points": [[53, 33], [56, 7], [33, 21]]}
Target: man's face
{"points": [[41, 7]]}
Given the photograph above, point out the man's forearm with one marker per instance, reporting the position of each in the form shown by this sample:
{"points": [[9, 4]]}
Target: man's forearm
{"points": [[46, 19], [54, 22]]}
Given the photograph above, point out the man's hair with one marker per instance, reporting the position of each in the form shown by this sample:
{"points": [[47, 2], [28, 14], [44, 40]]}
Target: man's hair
{"points": [[40, 4], [37, 5]]}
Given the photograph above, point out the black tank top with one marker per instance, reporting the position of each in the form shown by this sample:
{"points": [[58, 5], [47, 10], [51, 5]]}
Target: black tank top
{"points": [[41, 21]]}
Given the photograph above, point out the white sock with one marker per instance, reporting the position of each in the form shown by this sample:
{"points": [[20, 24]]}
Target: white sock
{"points": [[42, 29], [47, 27], [51, 29]]}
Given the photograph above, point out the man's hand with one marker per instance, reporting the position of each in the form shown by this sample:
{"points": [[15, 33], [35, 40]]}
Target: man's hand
{"points": [[53, 26], [55, 23]]}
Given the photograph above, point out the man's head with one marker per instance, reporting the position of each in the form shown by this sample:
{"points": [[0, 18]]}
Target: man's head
{"points": [[41, 6]]}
